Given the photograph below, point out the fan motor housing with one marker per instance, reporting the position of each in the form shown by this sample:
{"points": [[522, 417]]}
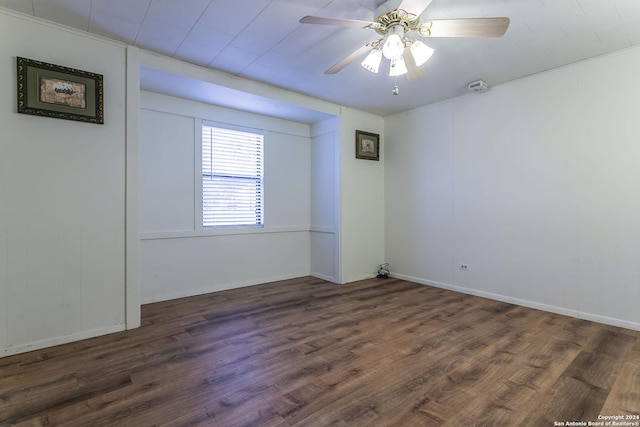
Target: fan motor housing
{"points": [[397, 17]]}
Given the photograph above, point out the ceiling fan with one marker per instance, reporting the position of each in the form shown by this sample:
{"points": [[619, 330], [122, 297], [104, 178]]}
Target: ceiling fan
{"points": [[406, 55]]}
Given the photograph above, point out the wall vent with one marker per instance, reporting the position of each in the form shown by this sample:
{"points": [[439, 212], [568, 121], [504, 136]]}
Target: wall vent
{"points": [[477, 86]]}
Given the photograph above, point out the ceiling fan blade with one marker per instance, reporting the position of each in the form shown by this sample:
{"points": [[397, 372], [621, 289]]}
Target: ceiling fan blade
{"points": [[335, 21], [348, 59], [413, 71], [466, 27], [414, 6]]}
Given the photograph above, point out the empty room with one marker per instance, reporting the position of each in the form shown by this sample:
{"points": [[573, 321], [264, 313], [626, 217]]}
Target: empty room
{"points": [[320, 212]]}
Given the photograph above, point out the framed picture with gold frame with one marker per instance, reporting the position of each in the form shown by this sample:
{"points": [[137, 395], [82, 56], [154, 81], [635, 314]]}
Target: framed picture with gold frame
{"points": [[56, 91], [367, 145]]}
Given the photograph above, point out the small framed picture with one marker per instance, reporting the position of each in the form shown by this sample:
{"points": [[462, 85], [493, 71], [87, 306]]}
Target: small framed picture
{"points": [[367, 145], [60, 92]]}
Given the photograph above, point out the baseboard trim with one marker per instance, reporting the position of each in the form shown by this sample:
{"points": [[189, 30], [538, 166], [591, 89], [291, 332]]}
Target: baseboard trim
{"points": [[324, 277], [65, 339], [525, 303], [184, 293]]}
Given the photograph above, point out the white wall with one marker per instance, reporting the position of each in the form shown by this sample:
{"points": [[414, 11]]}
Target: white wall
{"points": [[361, 200], [533, 184], [62, 198], [178, 258], [63, 274], [324, 199]]}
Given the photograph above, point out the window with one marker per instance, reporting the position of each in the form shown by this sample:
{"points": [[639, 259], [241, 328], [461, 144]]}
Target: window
{"points": [[232, 177]]}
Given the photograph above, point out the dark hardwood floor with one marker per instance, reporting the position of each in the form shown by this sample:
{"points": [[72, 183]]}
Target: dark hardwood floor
{"points": [[305, 352]]}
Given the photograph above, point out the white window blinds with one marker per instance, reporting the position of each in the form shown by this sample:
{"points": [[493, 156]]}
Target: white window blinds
{"points": [[232, 177]]}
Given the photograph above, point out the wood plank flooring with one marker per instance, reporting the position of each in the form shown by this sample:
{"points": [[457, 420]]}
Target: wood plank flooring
{"points": [[306, 352]]}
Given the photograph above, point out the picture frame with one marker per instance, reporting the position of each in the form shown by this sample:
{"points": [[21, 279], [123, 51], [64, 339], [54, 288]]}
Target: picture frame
{"points": [[367, 145], [60, 92]]}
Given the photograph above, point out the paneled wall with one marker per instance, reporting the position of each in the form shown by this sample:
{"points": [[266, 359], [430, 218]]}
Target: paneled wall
{"points": [[62, 198], [325, 189], [534, 185], [178, 258], [71, 204], [361, 198]]}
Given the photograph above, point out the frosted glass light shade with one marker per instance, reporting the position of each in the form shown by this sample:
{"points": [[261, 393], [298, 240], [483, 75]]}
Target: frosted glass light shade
{"points": [[421, 52], [393, 47], [372, 61], [398, 67]]}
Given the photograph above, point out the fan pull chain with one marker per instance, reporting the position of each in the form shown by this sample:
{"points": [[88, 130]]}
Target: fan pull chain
{"points": [[395, 87]]}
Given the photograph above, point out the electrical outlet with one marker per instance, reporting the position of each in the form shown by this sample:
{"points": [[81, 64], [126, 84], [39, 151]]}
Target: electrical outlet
{"points": [[464, 267]]}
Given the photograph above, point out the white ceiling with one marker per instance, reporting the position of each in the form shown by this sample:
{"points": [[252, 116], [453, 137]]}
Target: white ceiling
{"points": [[262, 40]]}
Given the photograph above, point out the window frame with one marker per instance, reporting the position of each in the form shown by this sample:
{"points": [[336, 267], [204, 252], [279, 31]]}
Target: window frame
{"points": [[198, 178]]}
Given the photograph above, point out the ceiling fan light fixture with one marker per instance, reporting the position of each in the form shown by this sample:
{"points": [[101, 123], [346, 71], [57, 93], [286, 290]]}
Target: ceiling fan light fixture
{"points": [[421, 52], [398, 67], [395, 27], [393, 45], [372, 61]]}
